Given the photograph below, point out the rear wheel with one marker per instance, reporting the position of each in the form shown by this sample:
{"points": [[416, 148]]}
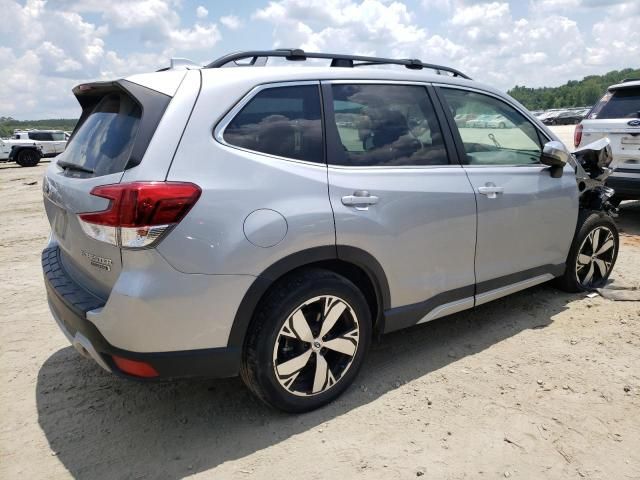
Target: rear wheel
{"points": [[307, 341], [28, 158], [593, 253]]}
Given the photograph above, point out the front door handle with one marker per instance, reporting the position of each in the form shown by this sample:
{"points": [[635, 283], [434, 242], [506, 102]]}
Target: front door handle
{"points": [[360, 199], [490, 190]]}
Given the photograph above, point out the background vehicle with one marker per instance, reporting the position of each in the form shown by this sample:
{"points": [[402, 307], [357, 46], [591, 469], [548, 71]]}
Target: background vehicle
{"points": [[480, 121], [570, 117], [499, 121], [551, 116], [617, 117], [463, 118], [53, 141], [272, 223], [27, 147]]}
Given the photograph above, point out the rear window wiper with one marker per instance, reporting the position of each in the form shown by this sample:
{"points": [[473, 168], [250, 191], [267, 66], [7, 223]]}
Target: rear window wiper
{"points": [[74, 166]]}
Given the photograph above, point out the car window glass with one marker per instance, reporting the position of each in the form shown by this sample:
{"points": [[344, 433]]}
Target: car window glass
{"points": [[493, 132], [386, 125], [282, 121], [34, 136], [58, 137]]}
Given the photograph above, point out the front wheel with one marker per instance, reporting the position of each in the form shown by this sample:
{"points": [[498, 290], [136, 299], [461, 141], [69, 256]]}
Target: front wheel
{"points": [[593, 253], [307, 341]]}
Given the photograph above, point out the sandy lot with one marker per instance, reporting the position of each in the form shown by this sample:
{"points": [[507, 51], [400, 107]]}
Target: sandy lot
{"points": [[542, 384]]}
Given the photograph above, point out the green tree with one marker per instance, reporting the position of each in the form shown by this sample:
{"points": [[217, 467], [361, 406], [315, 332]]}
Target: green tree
{"points": [[574, 93]]}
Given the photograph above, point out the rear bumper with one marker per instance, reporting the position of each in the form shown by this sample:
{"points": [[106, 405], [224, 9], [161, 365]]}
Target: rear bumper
{"points": [[626, 183], [69, 304]]}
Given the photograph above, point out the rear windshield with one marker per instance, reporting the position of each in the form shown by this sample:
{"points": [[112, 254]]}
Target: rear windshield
{"points": [[104, 141], [623, 103]]}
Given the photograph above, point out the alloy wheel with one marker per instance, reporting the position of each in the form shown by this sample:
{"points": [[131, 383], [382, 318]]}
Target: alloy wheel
{"points": [[316, 345], [595, 257]]}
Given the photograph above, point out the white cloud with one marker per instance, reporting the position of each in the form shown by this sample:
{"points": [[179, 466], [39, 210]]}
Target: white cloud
{"points": [[342, 25], [231, 22], [47, 47], [201, 12]]}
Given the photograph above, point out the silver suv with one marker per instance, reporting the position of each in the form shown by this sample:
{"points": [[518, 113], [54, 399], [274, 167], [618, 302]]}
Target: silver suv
{"points": [[269, 221]]}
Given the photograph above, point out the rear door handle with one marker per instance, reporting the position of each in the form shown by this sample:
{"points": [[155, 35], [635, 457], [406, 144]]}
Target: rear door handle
{"points": [[490, 190], [360, 199]]}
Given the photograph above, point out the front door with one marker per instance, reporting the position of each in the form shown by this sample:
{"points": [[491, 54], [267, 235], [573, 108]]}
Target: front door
{"points": [[526, 218], [397, 196]]}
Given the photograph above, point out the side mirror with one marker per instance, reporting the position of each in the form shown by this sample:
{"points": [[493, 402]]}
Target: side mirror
{"points": [[556, 155]]}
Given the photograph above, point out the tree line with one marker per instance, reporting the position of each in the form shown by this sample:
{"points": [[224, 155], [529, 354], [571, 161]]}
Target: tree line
{"points": [[8, 125], [574, 93]]}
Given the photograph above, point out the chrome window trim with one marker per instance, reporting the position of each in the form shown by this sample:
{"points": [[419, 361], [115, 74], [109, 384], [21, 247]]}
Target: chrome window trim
{"points": [[218, 131], [361, 168]]}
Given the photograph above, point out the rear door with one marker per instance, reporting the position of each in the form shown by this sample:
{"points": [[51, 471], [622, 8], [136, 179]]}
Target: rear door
{"points": [[397, 195], [526, 218], [45, 141], [111, 136], [59, 142]]}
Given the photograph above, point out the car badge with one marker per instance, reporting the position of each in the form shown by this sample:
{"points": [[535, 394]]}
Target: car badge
{"points": [[634, 123]]}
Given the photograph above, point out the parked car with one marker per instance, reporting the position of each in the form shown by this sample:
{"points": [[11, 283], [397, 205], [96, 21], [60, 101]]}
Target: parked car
{"points": [[463, 118], [548, 113], [617, 117], [499, 121], [27, 147], [569, 117], [480, 121], [552, 116], [210, 222]]}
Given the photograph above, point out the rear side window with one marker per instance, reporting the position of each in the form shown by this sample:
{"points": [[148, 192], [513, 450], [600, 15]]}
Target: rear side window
{"points": [[623, 103], [282, 121], [41, 136], [386, 125], [104, 141]]}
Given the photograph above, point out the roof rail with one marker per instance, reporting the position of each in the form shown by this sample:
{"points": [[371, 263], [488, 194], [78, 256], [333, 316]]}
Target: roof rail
{"points": [[337, 60]]}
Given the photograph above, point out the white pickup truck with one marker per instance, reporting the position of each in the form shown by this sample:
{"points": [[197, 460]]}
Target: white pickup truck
{"points": [[26, 148], [617, 117]]}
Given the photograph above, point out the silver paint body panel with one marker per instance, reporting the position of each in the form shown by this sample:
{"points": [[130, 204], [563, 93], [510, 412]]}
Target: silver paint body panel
{"points": [[184, 294]]}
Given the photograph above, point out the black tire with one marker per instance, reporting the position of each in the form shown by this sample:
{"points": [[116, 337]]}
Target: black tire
{"points": [[588, 222], [265, 341], [28, 157]]}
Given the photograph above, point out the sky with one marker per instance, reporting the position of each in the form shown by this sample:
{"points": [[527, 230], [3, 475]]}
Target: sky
{"points": [[47, 47]]}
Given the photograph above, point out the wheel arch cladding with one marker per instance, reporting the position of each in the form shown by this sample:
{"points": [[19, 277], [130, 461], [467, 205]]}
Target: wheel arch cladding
{"points": [[355, 264]]}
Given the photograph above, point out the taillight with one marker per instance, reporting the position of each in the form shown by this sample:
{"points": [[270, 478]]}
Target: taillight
{"points": [[139, 213], [577, 135]]}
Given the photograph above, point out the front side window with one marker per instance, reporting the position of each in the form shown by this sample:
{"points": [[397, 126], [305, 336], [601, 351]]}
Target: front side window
{"points": [[386, 125], [58, 136], [282, 121], [493, 132]]}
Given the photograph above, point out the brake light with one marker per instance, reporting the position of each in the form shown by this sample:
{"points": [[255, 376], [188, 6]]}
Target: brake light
{"points": [[139, 213], [577, 135]]}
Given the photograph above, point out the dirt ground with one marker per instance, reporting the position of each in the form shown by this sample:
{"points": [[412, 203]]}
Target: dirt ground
{"points": [[538, 385]]}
